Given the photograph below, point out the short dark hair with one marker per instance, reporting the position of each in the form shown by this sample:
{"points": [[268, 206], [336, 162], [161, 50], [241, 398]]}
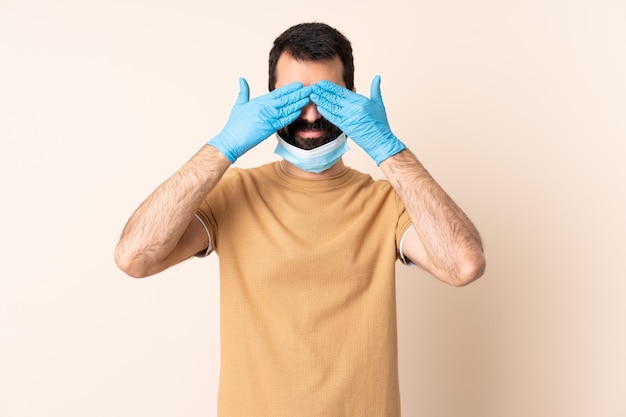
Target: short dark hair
{"points": [[313, 42]]}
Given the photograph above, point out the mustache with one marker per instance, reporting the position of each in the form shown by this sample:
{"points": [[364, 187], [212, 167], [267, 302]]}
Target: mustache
{"points": [[319, 124]]}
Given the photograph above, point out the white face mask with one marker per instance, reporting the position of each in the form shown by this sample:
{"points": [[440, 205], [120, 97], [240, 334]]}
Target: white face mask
{"points": [[313, 160]]}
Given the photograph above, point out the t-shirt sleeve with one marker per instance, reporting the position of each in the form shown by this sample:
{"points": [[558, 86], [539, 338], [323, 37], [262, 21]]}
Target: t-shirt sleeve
{"points": [[403, 226], [213, 209], [209, 247]]}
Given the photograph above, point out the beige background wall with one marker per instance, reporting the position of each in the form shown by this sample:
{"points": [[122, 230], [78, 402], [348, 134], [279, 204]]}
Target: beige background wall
{"points": [[518, 108]]}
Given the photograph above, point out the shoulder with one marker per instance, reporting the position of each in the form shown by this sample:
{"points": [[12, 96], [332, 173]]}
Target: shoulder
{"points": [[237, 180], [262, 170], [235, 174], [366, 180], [376, 190]]}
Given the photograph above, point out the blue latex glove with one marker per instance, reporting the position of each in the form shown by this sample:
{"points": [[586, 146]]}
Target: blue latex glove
{"points": [[363, 120], [252, 121]]}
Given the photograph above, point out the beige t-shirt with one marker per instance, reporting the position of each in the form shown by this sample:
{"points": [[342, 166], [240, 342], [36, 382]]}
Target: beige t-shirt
{"points": [[308, 316]]}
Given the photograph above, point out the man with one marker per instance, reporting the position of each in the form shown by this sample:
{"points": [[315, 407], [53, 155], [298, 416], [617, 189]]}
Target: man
{"points": [[307, 246]]}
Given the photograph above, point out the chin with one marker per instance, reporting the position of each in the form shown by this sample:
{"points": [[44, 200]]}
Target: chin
{"points": [[311, 143]]}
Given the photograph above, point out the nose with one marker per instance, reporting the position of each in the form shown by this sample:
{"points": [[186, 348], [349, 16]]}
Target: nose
{"points": [[310, 113]]}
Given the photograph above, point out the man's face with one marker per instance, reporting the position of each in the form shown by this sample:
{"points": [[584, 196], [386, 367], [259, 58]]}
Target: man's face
{"points": [[310, 130]]}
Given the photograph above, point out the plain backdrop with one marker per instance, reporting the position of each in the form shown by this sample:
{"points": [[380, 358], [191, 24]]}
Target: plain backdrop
{"points": [[517, 108]]}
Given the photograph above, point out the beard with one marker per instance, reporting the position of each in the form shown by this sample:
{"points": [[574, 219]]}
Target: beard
{"points": [[289, 133]]}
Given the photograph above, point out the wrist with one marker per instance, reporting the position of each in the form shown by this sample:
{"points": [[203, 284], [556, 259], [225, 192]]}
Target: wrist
{"points": [[221, 144], [387, 149]]}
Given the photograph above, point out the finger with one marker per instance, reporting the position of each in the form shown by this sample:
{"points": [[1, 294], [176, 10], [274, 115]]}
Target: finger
{"points": [[286, 120], [286, 89], [329, 93], [325, 98], [333, 88], [244, 92], [333, 118], [326, 93], [293, 108], [295, 96], [375, 93], [329, 102]]}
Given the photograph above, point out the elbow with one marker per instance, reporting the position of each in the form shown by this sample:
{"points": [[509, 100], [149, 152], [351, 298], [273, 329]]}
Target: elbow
{"points": [[130, 265], [469, 270], [464, 271]]}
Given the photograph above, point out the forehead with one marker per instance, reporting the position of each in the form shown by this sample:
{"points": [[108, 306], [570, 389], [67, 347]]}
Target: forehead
{"points": [[289, 70]]}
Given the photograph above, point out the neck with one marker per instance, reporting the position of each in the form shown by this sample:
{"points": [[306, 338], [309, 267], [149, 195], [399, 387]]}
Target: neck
{"points": [[291, 169]]}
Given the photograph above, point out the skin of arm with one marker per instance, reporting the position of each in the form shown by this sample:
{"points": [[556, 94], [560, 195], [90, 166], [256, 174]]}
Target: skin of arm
{"points": [[443, 240], [163, 230]]}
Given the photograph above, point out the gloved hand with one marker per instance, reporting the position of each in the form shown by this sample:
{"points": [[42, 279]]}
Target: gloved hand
{"points": [[252, 121], [363, 120]]}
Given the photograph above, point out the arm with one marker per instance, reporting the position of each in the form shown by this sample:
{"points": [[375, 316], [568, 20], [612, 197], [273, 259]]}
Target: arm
{"points": [[444, 241], [163, 230]]}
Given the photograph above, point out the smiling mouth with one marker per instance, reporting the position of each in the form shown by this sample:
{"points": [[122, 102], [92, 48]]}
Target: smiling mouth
{"points": [[311, 133], [305, 135]]}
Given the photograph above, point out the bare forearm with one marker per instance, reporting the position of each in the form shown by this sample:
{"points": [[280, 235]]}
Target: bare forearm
{"points": [[155, 228], [452, 245]]}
